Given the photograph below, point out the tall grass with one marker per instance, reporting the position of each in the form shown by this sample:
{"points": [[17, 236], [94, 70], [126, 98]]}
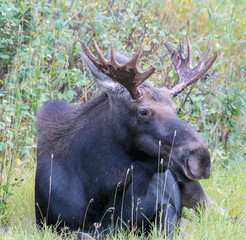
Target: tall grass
{"points": [[39, 60]]}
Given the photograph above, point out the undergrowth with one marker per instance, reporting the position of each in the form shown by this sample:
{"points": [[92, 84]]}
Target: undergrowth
{"points": [[39, 60]]}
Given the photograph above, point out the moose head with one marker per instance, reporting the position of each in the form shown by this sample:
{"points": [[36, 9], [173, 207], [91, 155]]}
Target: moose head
{"points": [[145, 117]]}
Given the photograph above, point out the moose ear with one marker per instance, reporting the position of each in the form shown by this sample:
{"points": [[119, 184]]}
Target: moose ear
{"points": [[104, 81], [120, 57]]}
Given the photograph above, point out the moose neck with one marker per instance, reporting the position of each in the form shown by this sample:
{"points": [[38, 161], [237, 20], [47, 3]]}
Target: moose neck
{"points": [[119, 119]]}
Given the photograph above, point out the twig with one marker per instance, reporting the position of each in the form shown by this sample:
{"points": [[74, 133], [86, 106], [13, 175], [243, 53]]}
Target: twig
{"points": [[48, 207], [186, 98], [92, 200], [157, 182], [70, 6], [112, 216], [174, 135], [132, 198], [123, 196]]}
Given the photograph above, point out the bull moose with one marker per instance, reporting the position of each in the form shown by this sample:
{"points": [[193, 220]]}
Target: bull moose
{"points": [[124, 157]]}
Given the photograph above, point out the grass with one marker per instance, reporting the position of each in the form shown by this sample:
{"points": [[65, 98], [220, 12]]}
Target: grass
{"points": [[39, 60]]}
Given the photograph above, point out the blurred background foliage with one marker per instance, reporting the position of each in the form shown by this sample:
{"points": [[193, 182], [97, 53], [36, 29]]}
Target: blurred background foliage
{"points": [[39, 61]]}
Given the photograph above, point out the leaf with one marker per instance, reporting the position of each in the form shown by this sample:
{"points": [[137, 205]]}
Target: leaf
{"points": [[7, 57], [2, 146], [25, 107]]}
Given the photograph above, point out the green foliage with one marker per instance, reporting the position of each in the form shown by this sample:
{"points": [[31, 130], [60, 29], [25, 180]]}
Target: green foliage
{"points": [[15, 31], [39, 60], [7, 190]]}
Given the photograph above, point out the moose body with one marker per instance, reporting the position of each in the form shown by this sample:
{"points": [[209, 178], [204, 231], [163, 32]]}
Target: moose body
{"points": [[75, 182], [105, 162]]}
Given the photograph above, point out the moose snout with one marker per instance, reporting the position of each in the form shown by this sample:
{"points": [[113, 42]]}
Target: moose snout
{"points": [[198, 166], [208, 172]]}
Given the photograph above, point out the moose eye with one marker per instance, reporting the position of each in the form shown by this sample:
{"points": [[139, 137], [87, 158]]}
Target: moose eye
{"points": [[143, 112]]}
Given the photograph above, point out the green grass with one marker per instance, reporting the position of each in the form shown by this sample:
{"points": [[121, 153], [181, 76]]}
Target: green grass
{"points": [[39, 60]]}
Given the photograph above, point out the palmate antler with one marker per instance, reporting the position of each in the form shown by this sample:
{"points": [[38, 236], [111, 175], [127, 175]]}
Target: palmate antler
{"points": [[127, 75], [183, 66]]}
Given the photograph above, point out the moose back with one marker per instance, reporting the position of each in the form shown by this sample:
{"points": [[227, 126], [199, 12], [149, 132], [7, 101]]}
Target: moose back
{"points": [[104, 163]]}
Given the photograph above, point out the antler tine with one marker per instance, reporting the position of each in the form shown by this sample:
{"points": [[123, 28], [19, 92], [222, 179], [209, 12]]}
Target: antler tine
{"points": [[141, 78], [205, 56], [88, 52], [112, 57], [181, 50], [190, 52], [99, 53], [133, 62], [169, 48], [208, 65]]}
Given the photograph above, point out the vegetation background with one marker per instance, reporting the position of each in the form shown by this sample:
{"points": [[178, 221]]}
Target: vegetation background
{"points": [[39, 60]]}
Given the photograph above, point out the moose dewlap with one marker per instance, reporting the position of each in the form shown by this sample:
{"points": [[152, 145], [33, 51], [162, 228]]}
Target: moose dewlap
{"points": [[98, 164]]}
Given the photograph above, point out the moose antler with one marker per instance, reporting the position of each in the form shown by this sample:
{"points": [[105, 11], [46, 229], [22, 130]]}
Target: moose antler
{"points": [[127, 75], [183, 66]]}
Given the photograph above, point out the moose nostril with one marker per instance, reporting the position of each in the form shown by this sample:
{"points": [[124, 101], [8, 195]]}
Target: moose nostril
{"points": [[186, 161], [208, 172], [188, 170], [194, 169]]}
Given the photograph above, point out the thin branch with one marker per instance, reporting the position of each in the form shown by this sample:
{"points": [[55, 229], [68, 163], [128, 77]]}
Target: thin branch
{"points": [[186, 98], [48, 207]]}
